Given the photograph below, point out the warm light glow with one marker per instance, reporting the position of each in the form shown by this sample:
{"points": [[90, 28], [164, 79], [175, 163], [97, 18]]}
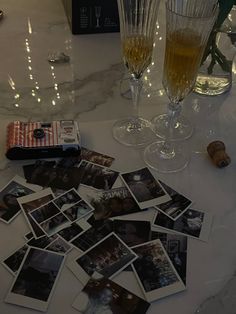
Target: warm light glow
{"points": [[29, 26]]}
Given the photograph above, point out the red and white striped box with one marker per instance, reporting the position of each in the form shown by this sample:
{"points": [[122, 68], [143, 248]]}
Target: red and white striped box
{"points": [[34, 139]]}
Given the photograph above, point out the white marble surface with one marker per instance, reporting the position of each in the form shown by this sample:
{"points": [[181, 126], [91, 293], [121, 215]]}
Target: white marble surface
{"points": [[88, 90]]}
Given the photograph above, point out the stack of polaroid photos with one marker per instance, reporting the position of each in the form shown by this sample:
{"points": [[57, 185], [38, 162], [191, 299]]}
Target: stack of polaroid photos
{"points": [[117, 222]]}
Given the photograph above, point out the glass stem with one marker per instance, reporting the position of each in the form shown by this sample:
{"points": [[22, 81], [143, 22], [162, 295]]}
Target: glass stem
{"points": [[167, 150], [135, 86]]}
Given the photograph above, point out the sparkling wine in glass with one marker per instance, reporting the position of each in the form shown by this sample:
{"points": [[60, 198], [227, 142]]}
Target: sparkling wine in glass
{"points": [[183, 128], [137, 28], [188, 25]]}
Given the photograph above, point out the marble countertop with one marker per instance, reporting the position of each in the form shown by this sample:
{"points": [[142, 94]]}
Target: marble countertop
{"points": [[88, 89]]}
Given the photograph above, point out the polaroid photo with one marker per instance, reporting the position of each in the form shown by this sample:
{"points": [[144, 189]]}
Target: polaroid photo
{"points": [[105, 296], [175, 207], [113, 203], [132, 232], [29, 203], [176, 248], [54, 177], [78, 211], [86, 154], [96, 158], [36, 279], [54, 224], [72, 205], [37, 165], [89, 238], [96, 176], [155, 272], [67, 199], [146, 190], [42, 242], [74, 230], [59, 245], [14, 260], [9, 206], [108, 258], [44, 212], [193, 223]]}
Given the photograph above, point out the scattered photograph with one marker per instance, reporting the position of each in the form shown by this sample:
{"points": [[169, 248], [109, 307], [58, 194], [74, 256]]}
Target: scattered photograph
{"points": [[192, 223], [74, 229], [93, 235], [108, 257], [106, 297], [176, 206], [13, 262], [112, 203], [36, 279], [96, 176], [55, 224], [29, 203], [42, 242], [44, 212], [46, 176], [95, 157], [176, 248], [145, 188], [70, 232], [86, 154], [78, 211], [9, 206], [132, 232], [155, 272], [37, 165], [67, 199], [60, 246]]}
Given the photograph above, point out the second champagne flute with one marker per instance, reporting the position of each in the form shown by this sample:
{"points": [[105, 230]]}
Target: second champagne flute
{"points": [[137, 28], [188, 25]]}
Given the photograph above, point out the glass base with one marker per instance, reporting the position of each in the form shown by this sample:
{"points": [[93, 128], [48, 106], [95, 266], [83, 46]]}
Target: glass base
{"points": [[182, 130], [212, 85], [133, 132], [157, 159]]}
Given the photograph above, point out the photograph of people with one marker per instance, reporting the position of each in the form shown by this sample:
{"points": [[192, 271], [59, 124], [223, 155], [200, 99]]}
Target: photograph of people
{"points": [[107, 258], [97, 176], [152, 267], [132, 232], [189, 223], [143, 185], [103, 296], [9, 206], [112, 203], [38, 274], [177, 205]]}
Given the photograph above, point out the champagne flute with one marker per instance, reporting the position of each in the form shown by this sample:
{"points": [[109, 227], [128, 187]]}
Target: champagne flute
{"points": [[97, 15], [188, 25], [137, 28]]}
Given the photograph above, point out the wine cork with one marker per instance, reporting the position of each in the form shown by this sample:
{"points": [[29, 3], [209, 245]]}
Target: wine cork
{"points": [[218, 155]]}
